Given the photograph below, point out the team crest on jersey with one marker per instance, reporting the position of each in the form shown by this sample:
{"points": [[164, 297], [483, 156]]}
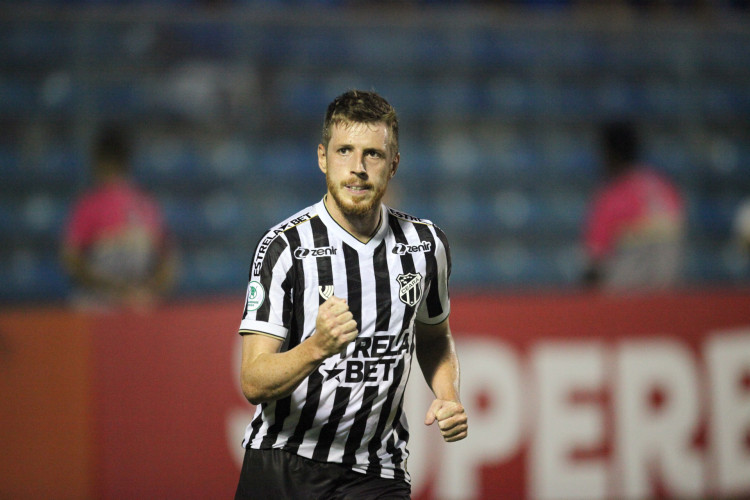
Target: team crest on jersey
{"points": [[410, 292], [256, 294]]}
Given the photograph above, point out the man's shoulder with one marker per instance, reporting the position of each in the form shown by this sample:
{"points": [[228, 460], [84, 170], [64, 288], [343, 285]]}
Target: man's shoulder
{"points": [[298, 218], [274, 237], [398, 214], [417, 221]]}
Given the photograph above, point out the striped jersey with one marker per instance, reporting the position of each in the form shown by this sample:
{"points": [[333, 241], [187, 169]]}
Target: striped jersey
{"points": [[349, 410]]}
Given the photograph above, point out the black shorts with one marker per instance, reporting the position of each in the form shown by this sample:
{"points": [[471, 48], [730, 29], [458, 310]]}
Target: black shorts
{"points": [[279, 475]]}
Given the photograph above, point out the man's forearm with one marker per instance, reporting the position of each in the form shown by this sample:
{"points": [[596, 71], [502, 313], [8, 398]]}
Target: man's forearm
{"points": [[268, 374], [271, 376], [439, 363], [445, 378]]}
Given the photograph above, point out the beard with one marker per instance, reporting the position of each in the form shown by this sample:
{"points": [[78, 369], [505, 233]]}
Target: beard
{"points": [[356, 208]]}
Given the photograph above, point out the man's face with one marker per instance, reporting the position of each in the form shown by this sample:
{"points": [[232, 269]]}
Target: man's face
{"points": [[358, 164]]}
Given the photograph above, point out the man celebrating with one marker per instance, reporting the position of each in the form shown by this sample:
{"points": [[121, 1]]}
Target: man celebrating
{"points": [[340, 297]]}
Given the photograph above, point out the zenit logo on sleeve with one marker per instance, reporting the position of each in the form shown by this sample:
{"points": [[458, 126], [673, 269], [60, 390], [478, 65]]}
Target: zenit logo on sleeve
{"points": [[302, 253]]}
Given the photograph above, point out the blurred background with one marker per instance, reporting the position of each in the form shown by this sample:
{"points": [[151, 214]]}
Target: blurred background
{"points": [[572, 394], [500, 104]]}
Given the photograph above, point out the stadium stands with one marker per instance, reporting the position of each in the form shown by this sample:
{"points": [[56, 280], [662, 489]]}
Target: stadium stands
{"points": [[499, 108]]}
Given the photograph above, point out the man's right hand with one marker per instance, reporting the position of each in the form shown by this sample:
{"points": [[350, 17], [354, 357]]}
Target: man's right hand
{"points": [[334, 327]]}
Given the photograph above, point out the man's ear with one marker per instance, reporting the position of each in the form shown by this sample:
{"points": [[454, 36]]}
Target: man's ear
{"points": [[322, 159], [394, 165]]}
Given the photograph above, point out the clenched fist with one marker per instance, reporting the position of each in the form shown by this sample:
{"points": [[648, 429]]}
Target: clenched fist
{"points": [[451, 419], [334, 327]]}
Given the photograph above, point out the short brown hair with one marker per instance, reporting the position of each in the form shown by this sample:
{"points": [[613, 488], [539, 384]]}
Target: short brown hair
{"points": [[359, 106]]}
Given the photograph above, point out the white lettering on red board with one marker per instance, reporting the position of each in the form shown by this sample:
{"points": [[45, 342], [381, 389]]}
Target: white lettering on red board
{"points": [[598, 420]]}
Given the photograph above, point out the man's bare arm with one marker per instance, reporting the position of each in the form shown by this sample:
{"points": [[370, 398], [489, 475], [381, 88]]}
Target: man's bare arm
{"points": [[437, 357], [268, 375]]}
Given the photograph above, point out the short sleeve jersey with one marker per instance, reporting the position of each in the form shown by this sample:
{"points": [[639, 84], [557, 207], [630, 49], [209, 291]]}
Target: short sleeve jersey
{"points": [[349, 410]]}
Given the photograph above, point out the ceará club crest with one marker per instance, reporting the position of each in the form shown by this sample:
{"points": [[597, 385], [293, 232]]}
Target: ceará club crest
{"points": [[410, 291]]}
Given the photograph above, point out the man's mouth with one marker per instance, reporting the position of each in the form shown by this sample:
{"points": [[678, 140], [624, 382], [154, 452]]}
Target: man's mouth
{"points": [[357, 188]]}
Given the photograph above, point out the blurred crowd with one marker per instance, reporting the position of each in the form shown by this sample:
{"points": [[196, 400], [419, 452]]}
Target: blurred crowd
{"points": [[506, 128]]}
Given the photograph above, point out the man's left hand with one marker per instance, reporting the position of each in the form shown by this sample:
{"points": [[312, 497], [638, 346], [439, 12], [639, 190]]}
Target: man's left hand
{"points": [[451, 419]]}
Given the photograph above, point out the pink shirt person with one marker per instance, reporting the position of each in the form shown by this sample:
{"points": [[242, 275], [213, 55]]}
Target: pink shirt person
{"points": [[115, 244], [635, 227], [120, 231]]}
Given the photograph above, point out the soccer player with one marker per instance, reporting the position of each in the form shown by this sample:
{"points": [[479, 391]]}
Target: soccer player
{"points": [[340, 297]]}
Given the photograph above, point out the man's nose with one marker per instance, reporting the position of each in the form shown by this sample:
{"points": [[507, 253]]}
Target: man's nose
{"points": [[359, 166]]}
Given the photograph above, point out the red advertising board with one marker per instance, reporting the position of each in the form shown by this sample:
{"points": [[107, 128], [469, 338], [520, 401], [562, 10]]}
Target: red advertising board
{"points": [[46, 450], [596, 396], [569, 396], [164, 388]]}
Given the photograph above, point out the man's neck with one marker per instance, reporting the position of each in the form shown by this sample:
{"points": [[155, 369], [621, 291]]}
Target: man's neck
{"points": [[362, 227]]}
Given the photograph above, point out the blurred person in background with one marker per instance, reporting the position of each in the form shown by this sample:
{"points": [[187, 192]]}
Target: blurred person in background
{"points": [[634, 233], [115, 244], [741, 227], [340, 297]]}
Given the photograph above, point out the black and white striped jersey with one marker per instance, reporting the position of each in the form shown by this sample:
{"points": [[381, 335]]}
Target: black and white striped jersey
{"points": [[349, 410]]}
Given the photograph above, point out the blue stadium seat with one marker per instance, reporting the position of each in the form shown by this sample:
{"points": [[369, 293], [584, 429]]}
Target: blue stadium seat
{"points": [[64, 168], [455, 98], [570, 263], [304, 97], [185, 219], [508, 264], [712, 216], [668, 154], [328, 47], [708, 264], [741, 174], [291, 159], [615, 97], [411, 105], [19, 97], [569, 156], [472, 268], [509, 96], [224, 214], [10, 214], [28, 275], [209, 270], [120, 99], [44, 216], [171, 162], [10, 161], [565, 211], [508, 48], [37, 44], [232, 160], [55, 166], [716, 99]]}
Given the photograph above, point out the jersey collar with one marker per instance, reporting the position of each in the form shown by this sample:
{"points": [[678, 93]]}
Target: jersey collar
{"points": [[346, 236]]}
